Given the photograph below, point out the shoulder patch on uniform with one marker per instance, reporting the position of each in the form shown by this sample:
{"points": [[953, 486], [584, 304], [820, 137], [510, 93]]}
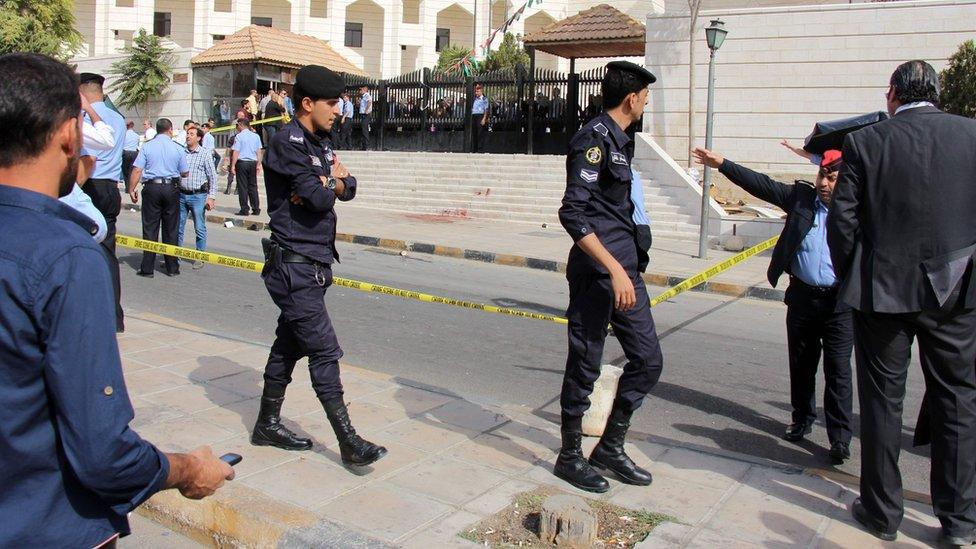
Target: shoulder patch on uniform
{"points": [[316, 161], [589, 176], [329, 156], [601, 129], [618, 158], [594, 155], [296, 138]]}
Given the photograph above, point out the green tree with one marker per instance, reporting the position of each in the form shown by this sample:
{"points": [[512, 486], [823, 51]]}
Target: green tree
{"points": [[450, 57], [509, 54], [144, 73], [959, 82], [39, 26]]}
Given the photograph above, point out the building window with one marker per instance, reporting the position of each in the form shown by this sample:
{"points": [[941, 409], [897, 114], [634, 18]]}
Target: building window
{"points": [[261, 21], [354, 35], [218, 37], [443, 39], [162, 23]]}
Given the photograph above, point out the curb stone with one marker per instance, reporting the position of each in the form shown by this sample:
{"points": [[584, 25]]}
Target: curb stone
{"points": [[237, 516], [656, 279]]}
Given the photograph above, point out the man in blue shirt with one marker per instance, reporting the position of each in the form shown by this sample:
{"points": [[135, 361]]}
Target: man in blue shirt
{"points": [[816, 321], [347, 113], [245, 164], [365, 114], [130, 149], [103, 183], [479, 119], [160, 165], [72, 467]]}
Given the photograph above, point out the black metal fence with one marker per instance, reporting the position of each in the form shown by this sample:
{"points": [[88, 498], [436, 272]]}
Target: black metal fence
{"points": [[426, 110], [430, 111]]}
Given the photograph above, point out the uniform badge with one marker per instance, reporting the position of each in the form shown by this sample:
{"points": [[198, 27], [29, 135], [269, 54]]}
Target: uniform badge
{"points": [[594, 155], [618, 158], [296, 138], [316, 161], [589, 176], [328, 156]]}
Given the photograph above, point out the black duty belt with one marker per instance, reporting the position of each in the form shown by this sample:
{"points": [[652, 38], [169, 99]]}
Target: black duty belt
{"points": [[288, 256], [162, 181], [822, 291]]}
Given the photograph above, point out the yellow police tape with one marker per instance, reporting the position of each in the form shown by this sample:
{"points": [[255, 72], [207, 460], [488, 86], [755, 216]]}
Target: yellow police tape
{"points": [[256, 266], [284, 118]]}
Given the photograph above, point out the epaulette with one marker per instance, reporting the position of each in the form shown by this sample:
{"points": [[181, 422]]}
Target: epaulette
{"points": [[601, 129]]}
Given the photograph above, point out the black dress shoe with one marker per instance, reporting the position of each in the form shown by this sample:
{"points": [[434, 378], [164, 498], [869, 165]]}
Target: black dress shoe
{"points": [[147, 275], [860, 514], [796, 431], [173, 273], [948, 540], [840, 452], [242, 212], [256, 212]]}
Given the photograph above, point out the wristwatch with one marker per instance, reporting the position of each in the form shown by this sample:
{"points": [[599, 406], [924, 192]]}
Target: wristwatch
{"points": [[330, 182]]}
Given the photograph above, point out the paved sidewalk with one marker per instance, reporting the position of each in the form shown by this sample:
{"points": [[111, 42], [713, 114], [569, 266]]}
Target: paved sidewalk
{"points": [[452, 461], [519, 244]]}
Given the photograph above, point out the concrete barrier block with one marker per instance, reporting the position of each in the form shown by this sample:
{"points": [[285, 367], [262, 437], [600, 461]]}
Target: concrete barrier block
{"points": [[601, 401]]}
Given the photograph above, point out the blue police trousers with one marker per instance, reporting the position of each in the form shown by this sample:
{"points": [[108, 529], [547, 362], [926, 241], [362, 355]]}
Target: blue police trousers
{"points": [[591, 310], [304, 327]]}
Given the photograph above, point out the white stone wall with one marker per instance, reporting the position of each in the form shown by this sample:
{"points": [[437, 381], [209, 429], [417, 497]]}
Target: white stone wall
{"points": [[175, 104], [783, 69]]}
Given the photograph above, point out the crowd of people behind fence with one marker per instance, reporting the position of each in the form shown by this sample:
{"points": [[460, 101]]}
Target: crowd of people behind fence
{"points": [[446, 110]]}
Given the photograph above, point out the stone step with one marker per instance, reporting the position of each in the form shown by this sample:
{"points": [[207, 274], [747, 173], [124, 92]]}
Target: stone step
{"points": [[519, 194], [392, 176], [498, 201], [510, 213]]}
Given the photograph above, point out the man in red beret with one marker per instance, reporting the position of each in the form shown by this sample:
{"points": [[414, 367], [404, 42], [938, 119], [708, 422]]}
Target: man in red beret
{"points": [[816, 322]]}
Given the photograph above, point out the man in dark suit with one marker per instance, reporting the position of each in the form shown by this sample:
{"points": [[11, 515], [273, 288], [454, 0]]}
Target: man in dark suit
{"points": [[815, 321], [902, 235]]}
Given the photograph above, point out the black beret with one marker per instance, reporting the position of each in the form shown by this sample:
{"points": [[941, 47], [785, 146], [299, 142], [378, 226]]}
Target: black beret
{"points": [[318, 82], [91, 78], [633, 68]]}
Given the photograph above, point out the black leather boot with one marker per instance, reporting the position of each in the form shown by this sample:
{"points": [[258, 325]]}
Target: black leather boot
{"points": [[268, 431], [354, 450], [571, 466], [609, 452]]}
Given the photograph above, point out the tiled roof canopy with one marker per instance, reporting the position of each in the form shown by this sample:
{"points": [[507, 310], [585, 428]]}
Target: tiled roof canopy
{"points": [[257, 44], [601, 31]]}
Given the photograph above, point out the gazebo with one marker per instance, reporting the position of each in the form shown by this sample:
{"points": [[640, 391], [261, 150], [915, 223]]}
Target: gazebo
{"points": [[260, 58], [601, 31]]}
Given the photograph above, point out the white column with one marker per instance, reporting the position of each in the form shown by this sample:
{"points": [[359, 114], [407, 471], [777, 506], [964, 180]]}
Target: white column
{"points": [[242, 14], [202, 14], [104, 39], [300, 11], [390, 64], [482, 16]]}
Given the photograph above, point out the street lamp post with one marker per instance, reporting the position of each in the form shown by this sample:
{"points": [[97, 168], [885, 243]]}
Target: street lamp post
{"points": [[714, 36]]}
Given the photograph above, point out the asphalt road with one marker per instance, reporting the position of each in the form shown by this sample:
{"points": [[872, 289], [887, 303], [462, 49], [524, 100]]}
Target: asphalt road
{"points": [[725, 385]]}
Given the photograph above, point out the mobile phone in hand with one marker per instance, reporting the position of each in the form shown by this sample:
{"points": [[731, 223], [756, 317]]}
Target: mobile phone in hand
{"points": [[231, 459]]}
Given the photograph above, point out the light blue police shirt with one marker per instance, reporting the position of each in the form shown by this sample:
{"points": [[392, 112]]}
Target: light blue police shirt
{"points": [[108, 164], [247, 144], [480, 105], [812, 263], [131, 141], [637, 197], [161, 157]]}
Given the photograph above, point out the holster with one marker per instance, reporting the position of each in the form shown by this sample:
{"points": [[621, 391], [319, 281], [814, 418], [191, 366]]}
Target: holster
{"points": [[272, 253]]}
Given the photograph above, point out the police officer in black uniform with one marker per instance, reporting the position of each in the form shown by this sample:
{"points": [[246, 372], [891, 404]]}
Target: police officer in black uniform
{"points": [[605, 286], [304, 179]]}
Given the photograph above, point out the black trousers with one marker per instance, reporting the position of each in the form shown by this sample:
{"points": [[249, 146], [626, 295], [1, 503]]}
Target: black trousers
{"points": [[304, 327], [128, 158], [590, 311], [105, 196], [814, 326], [947, 348], [160, 208], [340, 132], [247, 185], [478, 133], [364, 129]]}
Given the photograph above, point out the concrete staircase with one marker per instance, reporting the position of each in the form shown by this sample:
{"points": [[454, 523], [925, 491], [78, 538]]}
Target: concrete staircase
{"points": [[517, 188]]}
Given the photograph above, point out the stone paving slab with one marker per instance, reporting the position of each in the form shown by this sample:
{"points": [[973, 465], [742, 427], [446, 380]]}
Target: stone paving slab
{"points": [[452, 462]]}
